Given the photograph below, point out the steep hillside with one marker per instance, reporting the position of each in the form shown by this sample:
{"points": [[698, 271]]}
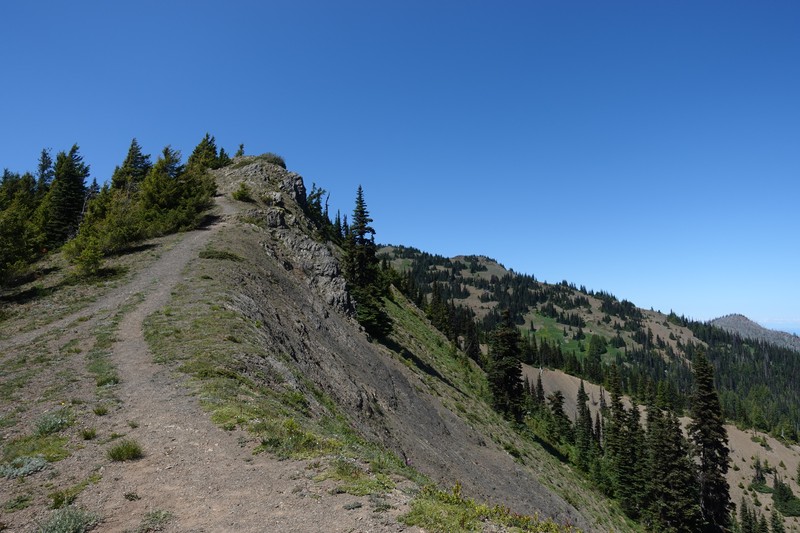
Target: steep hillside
{"points": [[651, 350], [746, 328], [252, 309]]}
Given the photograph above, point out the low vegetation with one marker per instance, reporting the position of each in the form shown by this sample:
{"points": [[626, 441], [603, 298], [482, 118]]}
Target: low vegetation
{"points": [[126, 450]]}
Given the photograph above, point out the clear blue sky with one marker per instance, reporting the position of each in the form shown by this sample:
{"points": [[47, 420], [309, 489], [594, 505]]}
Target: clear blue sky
{"points": [[650, 149]]}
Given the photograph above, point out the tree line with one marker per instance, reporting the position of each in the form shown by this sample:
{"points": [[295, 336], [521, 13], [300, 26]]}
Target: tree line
{"points": [[54, 208]]}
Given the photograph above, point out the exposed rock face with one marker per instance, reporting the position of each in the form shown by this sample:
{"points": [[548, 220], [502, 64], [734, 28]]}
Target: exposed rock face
{"points": [[285, 194], [746, 328], [293, 287]]}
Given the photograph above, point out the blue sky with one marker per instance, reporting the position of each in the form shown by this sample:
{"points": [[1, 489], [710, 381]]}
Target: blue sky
{"points": [[649, 149]]}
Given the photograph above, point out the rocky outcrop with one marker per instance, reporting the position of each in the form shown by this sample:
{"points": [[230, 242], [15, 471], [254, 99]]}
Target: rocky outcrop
{"points": [[280, 200]]}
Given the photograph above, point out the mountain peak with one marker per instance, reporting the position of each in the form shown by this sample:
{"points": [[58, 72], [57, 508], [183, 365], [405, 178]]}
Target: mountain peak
{"points": [[747, 328]]}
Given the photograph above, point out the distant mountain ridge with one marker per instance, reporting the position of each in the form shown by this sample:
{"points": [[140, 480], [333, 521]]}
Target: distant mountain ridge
{"points": [[744, 327]]}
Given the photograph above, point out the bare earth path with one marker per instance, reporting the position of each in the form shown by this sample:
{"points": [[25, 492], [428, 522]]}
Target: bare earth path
{"points": [[208, 479]]}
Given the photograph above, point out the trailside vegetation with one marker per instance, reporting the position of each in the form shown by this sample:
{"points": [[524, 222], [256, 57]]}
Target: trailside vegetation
{"points": [[56, 207]]}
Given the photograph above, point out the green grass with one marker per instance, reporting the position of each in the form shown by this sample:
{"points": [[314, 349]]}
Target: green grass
{"points": [[18, 503], [441, 511], [126, 450], [357, 481], [52, 448], [62, 498]]}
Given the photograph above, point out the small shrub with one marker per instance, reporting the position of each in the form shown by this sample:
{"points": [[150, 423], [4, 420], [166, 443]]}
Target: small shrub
{"points": [[133, 424], [242, 194], [53, 422], [126, 450], [107, 379], [17, 504], [154, 521], [131, 496], [69, 520], [100, 410], [88, 433], [275, 159], [22, 466]]}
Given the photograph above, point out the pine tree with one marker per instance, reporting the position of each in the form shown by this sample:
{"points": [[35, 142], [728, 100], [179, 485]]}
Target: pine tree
{"points": [[504, 371], [240, 151], [707, 434], [133, 170]]}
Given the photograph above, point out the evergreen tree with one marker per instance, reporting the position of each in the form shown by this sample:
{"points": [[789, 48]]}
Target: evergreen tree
{"points": [[560, 428], [746, 518], [776, 522], [361, 269], [707, 434], [504, 371], [763, 525], [61, 208], [44, 173], [539, 390], [240, 151], [133, 170], [584, 434], [205, 154], [673, 494]]}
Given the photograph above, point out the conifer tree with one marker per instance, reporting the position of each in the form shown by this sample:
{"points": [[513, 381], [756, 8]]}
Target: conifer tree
{"points": [[205, 154], [584, 437], [539, 390], [44, 173], [776, 522], [673, 496], [361, 269], [710, 440], [560, 428], [62, 207], [504, 371], [133, 170]]}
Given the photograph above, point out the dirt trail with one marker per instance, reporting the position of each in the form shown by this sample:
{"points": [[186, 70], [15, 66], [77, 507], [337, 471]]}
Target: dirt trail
{"points": [[207, 478]]}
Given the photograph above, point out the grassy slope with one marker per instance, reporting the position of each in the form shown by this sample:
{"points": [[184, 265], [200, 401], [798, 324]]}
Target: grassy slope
{"points": [[468, 396]]}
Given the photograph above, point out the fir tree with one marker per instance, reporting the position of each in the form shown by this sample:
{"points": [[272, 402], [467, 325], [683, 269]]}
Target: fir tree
{"points": [[44, 173], [63, 205], [133, 170], [504, 371], [205, 154], [707, 434], [673, 494], [361, 269], [584, 437], [776, 522]]}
